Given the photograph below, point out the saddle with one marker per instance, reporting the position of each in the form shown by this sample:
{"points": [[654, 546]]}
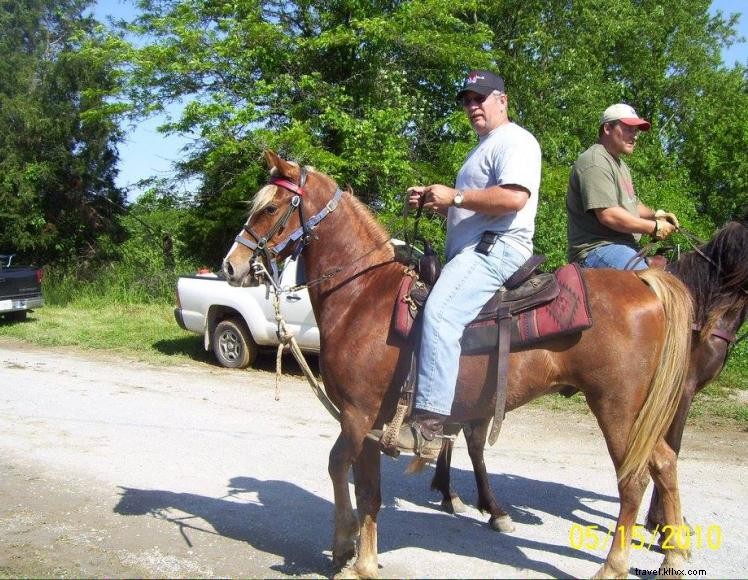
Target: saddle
{"points": [[530, 308]]}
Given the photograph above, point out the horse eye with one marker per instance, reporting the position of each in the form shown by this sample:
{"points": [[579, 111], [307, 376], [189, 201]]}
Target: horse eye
{"points": [[271, 209]]}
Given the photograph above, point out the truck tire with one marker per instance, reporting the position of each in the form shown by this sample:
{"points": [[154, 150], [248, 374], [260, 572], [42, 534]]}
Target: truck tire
{"points": [[233, 346], [16, 316]]}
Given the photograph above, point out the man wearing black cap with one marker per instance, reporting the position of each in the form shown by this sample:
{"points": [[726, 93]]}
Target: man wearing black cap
{"points": [[606, 218], [490, 224]]}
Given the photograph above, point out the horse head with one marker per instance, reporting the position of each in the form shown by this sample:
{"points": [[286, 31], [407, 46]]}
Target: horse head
{"points": [[277, 225]]}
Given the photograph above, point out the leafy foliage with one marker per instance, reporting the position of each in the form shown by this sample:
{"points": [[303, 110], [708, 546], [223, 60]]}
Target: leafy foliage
{"points": [[364, 91], [57, 149]]}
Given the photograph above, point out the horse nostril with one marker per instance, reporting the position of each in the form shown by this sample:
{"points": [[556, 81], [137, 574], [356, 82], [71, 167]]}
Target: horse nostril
{"points": [[228, 268]]}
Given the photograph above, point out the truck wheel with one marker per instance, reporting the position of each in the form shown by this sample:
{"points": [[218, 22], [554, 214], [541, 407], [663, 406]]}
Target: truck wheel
{"points": [[16, 316], [233, 346]]}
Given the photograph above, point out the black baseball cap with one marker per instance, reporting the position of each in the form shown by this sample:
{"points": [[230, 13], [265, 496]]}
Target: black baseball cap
{"points": [[482, 82]]}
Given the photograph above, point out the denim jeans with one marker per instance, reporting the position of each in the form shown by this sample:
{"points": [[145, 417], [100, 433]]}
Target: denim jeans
{"points": [[616, 256], [466, 283]]}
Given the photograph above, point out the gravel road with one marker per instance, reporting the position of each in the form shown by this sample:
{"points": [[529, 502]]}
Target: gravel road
{"points": [[117, 468]]}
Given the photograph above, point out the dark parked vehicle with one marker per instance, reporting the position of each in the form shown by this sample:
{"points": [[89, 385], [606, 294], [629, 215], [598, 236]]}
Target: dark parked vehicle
{"points": [[20, 289]]}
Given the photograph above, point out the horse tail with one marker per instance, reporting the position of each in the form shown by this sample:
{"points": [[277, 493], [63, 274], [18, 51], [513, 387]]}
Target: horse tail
{"points": [[666, 387]]}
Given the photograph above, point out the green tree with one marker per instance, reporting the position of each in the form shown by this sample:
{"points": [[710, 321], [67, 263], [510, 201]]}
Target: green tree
{"points": [[364, 91], [57, 147]]}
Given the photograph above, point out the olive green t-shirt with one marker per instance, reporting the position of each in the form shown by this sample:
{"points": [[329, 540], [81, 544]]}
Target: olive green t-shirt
{"points": [[597, 181]]}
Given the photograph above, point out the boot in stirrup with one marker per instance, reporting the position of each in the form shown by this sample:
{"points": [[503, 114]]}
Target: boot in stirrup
{"points": [[423, 435]]}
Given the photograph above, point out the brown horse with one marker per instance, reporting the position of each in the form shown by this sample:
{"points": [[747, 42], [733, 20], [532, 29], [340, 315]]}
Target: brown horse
{"points": [[716, 275], [630, 364]]}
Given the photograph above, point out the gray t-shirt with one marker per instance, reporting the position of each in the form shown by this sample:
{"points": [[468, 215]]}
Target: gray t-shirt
{"points": [[598, 181], [508, 155]]}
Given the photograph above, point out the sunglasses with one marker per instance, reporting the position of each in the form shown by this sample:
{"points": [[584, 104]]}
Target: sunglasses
{"points": [[467, 100]]}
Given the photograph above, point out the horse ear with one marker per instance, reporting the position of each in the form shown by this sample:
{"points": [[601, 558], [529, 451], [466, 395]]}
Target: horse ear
{"points": [[272, 159], [281, 166]]}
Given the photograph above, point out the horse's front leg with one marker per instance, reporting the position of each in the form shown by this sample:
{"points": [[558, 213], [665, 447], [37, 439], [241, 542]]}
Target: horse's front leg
{"points": [[346, 525], [475, 435], [367, 482]]}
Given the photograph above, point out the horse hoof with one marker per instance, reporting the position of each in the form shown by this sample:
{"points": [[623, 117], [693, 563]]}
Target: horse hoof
{"points": [[341, 562], [453, 505], [501, 524]]}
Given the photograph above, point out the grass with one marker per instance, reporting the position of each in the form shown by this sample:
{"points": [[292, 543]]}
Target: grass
{"points": [[149, 333], [145, 332]]}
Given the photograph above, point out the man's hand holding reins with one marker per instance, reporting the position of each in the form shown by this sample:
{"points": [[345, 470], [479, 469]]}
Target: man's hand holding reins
{"points": [[663, 229], [437, 197], [667, 216]]}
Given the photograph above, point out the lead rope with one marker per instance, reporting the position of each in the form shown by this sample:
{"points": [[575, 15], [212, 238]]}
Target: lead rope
{"points": [[287, 339]]}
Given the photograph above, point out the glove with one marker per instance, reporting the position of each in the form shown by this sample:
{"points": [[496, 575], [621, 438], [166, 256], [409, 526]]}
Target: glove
{"points": [[666, 215], [663, 229]]}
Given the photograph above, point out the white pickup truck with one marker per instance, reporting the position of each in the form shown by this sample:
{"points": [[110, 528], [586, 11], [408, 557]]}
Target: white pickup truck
{"points": [[237, 322]]}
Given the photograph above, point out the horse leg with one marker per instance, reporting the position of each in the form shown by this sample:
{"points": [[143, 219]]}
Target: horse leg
{"points": [[346, 524], [475, 435], [630, 491], [367, 482], [451, 502], [656, 513], [663, 467]]}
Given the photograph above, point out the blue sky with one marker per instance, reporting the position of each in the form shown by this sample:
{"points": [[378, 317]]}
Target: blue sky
{"points": [[147, 153]]}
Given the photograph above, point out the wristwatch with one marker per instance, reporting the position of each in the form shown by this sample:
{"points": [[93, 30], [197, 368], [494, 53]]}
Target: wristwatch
{"points": [[459, 198]]}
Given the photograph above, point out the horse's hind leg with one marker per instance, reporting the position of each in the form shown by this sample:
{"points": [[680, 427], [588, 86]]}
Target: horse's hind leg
{"points": [[610, 413], [656, 513], [451, 502], [346, 525], [475, 435], [673, 534]]}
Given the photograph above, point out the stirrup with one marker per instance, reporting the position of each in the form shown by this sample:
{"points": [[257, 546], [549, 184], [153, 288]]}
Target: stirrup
{"points": [[411, 440]]}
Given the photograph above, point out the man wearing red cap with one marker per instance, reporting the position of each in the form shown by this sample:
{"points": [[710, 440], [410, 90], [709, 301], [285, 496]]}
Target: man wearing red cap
{"points": [[606, 218]]}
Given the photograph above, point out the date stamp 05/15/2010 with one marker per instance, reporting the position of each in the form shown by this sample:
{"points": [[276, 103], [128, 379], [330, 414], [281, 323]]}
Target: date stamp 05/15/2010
{"points": [[683, 537]]}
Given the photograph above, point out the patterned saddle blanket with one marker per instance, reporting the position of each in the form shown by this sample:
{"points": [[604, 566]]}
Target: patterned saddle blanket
{"points": [[544, 307]]}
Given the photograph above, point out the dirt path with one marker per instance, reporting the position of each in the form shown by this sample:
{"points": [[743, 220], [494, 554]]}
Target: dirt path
{"points": [[115, 468]]}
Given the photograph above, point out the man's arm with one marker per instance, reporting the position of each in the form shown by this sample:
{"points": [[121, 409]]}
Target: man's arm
{"points": [[494, 200], [619, 220], [646, 212]]}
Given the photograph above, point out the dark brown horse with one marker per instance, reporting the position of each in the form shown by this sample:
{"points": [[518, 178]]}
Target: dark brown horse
{"points": [[630, 365], [716, 275]]}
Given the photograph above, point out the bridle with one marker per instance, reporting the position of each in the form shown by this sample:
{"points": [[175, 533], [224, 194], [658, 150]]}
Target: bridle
{"points": [[301, 236]]}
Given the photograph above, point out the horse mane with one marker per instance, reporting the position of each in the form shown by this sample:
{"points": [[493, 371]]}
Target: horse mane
{"points": [[380, 236], [718, 284]]}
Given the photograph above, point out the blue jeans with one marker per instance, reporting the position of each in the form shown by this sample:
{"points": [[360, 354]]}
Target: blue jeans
{"points": [[466, 283], [616, 256]]}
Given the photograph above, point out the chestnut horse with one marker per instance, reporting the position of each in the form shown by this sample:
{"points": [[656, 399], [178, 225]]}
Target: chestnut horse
{"points": [[630, 365], [716, 275]]}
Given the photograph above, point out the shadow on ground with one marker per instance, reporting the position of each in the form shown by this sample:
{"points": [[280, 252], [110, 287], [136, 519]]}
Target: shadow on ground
{"points": [[192, 347], [266, 515]]}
